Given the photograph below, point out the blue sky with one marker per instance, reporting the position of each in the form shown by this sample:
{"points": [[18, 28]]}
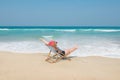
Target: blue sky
{"points": [[60, 12]]}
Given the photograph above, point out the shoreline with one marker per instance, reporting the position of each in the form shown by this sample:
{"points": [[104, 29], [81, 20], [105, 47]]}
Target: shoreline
{"points": [[47, 53], [34, 67]]}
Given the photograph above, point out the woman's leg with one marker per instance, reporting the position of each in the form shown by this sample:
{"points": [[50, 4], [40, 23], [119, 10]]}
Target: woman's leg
{"points": [[69, 51]]}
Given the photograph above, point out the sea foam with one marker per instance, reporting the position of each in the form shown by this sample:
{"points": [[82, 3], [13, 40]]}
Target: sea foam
{"points": [[98, 48]]}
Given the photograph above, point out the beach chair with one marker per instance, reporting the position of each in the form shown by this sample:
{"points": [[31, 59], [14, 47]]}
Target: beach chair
{"points": [[52, 58]]}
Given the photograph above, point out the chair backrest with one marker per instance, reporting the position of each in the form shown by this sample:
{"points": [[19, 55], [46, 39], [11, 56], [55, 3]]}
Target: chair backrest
{"points": [[52, 49]]}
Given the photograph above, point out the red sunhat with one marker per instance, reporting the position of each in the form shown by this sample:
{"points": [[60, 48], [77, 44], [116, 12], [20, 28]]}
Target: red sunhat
{"points": [[52, 43]]}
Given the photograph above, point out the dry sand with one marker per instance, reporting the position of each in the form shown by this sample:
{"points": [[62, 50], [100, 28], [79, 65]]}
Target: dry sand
{"points": [[34, 67]]}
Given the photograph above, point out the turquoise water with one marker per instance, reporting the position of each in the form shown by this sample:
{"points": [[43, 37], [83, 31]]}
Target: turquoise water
{"points": [[92, 41]]}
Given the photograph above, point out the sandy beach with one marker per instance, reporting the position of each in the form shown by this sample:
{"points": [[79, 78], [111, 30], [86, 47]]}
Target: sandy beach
{"points": [[34, 67]]}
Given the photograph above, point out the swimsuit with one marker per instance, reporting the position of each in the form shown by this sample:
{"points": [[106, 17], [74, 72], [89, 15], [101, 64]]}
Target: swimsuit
{"points": [[61, 52]]}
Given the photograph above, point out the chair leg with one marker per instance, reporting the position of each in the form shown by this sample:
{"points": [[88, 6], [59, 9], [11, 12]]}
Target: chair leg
{"points": [[57, 58]]}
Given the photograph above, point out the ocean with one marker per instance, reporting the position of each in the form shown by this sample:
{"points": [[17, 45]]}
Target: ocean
{"points": [[92, 40]]}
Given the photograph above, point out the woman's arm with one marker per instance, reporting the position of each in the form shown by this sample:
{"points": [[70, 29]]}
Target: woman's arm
{"points": [[44, 41]]}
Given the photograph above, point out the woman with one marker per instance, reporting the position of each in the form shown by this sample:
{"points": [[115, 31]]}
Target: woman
{"points": [[56, 49]]}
